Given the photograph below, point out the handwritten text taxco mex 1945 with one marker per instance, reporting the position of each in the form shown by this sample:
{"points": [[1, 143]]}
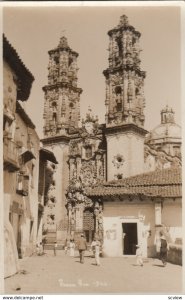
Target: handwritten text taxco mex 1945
{"points": [[81, 283]]}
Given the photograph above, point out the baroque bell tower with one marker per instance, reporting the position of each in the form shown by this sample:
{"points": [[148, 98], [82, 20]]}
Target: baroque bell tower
{"points": [[61, 118], [124, 102], [62, 96], [124, 79]]}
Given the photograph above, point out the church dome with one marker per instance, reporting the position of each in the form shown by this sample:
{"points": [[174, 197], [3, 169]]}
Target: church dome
{"points": [[168, 129]]}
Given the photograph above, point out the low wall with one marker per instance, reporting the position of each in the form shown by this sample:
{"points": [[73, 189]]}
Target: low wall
{"points": [[175, 254]]}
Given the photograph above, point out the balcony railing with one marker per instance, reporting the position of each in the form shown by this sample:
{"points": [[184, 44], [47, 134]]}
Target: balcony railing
{"points": [[10, 155]]}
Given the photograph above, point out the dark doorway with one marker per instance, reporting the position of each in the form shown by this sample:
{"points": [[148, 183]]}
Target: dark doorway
{"points": [[88, 224], [129, 238]]}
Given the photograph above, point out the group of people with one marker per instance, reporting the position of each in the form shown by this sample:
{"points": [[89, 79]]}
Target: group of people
{"points": [[81, 245], [161, 248]]}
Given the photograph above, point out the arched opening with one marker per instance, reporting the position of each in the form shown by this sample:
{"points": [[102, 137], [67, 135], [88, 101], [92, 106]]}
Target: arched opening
{"points": [[88, 151], [137, 91], [54, 118], [118, 92]]}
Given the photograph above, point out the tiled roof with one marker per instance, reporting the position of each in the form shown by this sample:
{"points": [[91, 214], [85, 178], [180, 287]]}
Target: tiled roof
{"points": [[25, 78], [159, 183], [158, 177]]}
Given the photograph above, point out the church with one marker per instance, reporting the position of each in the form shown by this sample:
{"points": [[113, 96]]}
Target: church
{"points": [[115, 181]]}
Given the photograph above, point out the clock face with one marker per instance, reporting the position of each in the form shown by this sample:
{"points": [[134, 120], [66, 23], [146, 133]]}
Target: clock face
{"points": [[89, 127]]}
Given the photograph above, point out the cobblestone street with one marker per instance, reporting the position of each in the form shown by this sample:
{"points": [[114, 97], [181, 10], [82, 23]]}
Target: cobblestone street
{"points": [[62, 274]]}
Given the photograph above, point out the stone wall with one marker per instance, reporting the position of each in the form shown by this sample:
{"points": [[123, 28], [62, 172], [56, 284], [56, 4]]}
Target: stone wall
{"points": [[175, 254]]}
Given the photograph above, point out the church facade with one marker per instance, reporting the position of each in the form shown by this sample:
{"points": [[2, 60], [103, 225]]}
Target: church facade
{"points": [[91, 155]]}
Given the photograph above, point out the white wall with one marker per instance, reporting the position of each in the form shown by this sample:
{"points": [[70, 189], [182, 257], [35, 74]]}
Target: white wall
{"points": [[172, 218], [117, 213], [131, 146]]}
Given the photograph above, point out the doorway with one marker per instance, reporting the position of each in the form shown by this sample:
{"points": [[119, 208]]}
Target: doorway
{"points": [[130, 239]]}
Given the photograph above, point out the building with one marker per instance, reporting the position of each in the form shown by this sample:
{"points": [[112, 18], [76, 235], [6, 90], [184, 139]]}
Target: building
{"points": [[21, 162], [25, 165], [90, 154], [46, 187], [136, 208], [163, 143]]}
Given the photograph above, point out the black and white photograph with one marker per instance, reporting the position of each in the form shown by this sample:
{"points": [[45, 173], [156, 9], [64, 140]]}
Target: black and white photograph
{"points": [[92, 149]]}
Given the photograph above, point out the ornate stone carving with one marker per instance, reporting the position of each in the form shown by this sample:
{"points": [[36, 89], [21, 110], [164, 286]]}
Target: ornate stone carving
{"points": [[159, 159], [88, 173], [89, 125], [98, 212]]}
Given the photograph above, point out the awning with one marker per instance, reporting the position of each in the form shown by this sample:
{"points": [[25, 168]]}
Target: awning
{"points": [[27, 156], [48, 155]]}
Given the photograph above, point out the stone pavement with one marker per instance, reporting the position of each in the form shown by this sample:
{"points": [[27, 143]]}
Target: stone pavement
{"points": [[61, 274]]}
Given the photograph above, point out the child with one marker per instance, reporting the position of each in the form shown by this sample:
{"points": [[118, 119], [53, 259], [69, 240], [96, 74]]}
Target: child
{"points": [[139, 258], [39, 249], [66, 248], [95, 246]]}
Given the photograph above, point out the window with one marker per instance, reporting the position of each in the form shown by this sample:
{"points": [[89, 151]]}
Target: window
{"points": [[22, 184], [54, 117], [118, 90], [32, 175], [119, 107], [137, 91]]}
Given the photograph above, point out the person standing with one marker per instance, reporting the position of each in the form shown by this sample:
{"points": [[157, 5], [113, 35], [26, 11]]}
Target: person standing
{"points": [[66, 246], [55, 248], [157, 243], [95, 246], [139, 256], [72, 248], [82, 246], [163, 250]]}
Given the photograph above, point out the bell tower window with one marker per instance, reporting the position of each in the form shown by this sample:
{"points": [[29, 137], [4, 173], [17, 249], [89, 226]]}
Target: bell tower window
{"points": [[88, 152], [118, 92], [137, 92], [54, 117]]}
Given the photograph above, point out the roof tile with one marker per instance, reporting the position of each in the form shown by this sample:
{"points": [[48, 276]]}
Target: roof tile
{"points": [[159, 183]]}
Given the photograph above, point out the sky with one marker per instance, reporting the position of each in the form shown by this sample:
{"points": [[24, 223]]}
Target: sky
{"points": [[33, 31]]}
